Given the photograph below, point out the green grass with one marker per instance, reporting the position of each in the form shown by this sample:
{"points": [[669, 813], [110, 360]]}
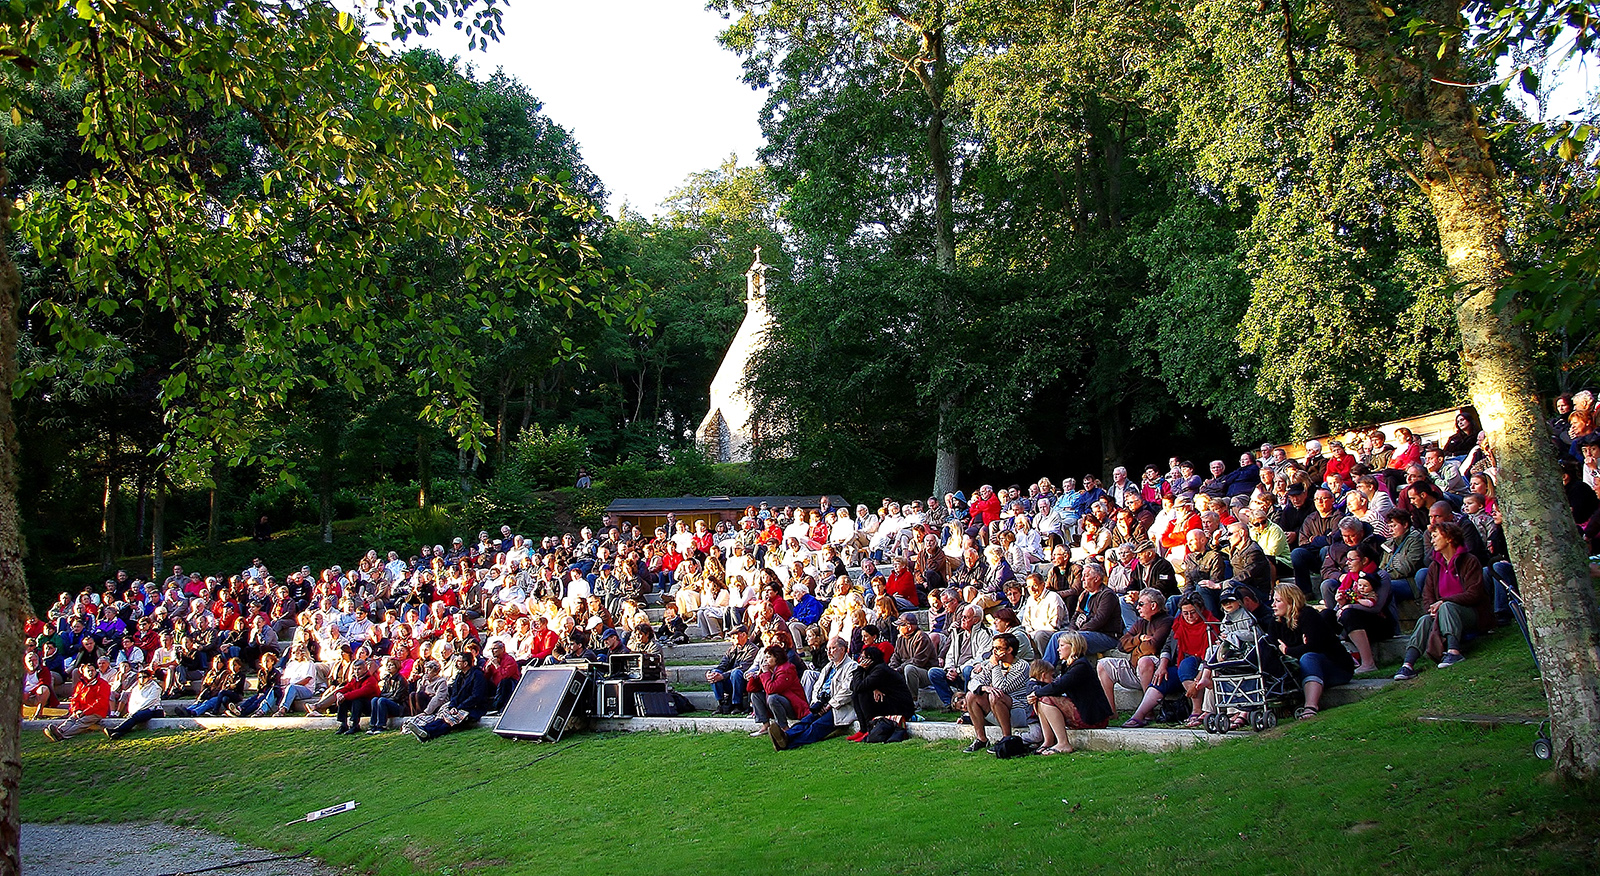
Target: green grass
{"points": [[1360, 789]]}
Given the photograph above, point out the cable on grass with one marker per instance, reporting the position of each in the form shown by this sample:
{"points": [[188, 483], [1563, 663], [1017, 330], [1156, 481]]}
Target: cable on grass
{"points": [[307, 852]]}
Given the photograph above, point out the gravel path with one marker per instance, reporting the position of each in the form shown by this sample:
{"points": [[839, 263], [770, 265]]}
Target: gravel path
{"points": [[146, 850]]}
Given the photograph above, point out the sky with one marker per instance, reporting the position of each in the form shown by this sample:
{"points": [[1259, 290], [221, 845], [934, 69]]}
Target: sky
{"points": [[643, 86]]}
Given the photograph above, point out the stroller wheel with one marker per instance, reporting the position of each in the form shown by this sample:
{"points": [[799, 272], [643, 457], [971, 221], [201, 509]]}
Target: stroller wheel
{"points": [[1272, 720], [1258, 721], [1211, 724], [1541, 742]]}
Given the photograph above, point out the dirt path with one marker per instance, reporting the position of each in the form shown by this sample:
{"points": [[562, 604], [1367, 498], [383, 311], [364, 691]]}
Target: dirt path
{"points": [[146, 850]]}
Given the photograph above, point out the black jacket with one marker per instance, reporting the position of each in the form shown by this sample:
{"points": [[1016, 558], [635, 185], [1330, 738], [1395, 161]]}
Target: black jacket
{"points": [[470, 692]]}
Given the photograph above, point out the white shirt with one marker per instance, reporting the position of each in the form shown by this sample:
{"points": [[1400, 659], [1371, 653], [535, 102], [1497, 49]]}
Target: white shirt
{"points": [[742, 569], [144, 696]]}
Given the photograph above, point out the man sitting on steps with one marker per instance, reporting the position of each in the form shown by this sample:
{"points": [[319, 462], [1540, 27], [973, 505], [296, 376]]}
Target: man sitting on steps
{"points": [[833, 706]]}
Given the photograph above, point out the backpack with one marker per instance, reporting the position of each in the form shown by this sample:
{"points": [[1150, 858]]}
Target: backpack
{"points": [[884, 730], [1010, 746]]}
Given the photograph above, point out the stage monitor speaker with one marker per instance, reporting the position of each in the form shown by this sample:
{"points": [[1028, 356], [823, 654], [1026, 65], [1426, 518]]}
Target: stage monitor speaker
{"points": [[541, 708], [654, 704], [637, 667], [614, 698]]}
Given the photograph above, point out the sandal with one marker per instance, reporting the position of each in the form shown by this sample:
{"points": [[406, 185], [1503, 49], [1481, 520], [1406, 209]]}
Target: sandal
{"points": [[1306, 712], [1196, 721], [1053, 750], [1239, 721]]}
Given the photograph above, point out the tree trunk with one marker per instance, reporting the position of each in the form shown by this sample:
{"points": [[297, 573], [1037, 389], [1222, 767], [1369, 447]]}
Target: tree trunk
{"points": [[1111, 434], [1546, 549], [500, 423], [13, 584], [214, 519], [527, 405], [144, 498], [424, 471], [158, 527], [464, 458], [947, 459], [108, 522]]}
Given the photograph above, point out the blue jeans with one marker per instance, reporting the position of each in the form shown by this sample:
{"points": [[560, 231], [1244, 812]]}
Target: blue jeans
{"points": [[812, 728], [134, 722], [1099, 643], [941, 682], [1317, 667], [295, 692], [730, 688], [259, 703], [351, 711], [383, 709], [206, 707], [1307, 562], [1505, 579], [1187, 670]]}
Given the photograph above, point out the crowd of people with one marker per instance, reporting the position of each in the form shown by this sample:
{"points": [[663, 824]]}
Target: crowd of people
{"points": [[1022, 609]]}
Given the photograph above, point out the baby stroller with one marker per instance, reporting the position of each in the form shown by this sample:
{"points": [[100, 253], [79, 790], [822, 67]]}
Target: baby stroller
{"points": [[1249, 677]]}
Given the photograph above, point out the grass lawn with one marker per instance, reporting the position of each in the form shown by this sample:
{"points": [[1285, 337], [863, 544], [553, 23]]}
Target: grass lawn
{"points": [[1360, 789]]}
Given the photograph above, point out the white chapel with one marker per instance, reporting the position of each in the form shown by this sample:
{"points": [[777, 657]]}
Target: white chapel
{"points": [[729, 431]]}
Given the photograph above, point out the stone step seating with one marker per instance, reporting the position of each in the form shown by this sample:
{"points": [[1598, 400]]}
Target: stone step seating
{"points": [[1148, 739], [1127, 700], [1387, 652]]}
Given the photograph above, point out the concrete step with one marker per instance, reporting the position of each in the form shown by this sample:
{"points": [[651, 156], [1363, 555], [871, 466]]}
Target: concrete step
{"points": [[689, 674], [655, 614], [1145, 740], [709, 651]]}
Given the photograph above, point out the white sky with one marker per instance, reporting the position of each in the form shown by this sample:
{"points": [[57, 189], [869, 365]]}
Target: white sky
{"points": [[642, 84]]}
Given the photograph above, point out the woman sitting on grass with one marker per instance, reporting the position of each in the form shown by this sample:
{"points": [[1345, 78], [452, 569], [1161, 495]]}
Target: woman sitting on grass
{"points": [[1070, 698], [1300, 633]]}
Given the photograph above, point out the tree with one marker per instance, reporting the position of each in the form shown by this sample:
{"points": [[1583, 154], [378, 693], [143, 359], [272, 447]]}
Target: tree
{"points": [[1414, 60], [843, 70], [1318, 112], [303, 268]]}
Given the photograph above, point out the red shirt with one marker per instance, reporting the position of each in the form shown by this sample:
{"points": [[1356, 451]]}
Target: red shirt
{"points": [[782, 680], [363, 688], [1178, 533], [91, 698], [502, 669], [544, 643], [985, 510], [1341, 465], [902, 584]]}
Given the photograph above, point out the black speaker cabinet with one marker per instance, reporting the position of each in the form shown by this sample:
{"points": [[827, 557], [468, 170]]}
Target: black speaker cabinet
{"points": [[614, 698], [542, 706]]}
